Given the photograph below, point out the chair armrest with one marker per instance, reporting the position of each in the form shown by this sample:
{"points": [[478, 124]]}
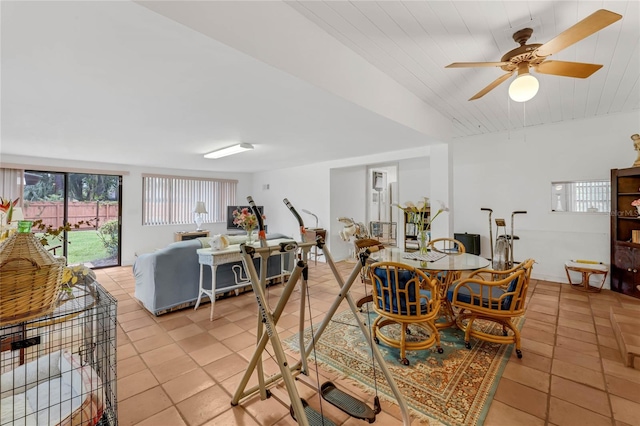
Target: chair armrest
{"points": [[489, 296], [483, 282], [477, 274], [480, 294], [494, 273], [432, 285]]}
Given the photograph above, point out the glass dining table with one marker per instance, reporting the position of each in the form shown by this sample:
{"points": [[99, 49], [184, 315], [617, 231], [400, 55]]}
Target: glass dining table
{"points": [[445, 267]]}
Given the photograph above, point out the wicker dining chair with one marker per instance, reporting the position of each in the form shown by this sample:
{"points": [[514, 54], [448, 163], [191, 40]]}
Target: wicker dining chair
{"points": [[495, 296], [446, 245], [404, 296]]}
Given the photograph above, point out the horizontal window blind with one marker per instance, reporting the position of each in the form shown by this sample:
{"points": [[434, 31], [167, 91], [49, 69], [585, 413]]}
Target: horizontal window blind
{"points": [[170, 200]]}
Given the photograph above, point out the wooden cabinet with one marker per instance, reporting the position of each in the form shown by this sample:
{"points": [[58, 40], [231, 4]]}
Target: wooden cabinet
{"points": [[625, 269], [411, 227], [187, 235], [625, 247]]}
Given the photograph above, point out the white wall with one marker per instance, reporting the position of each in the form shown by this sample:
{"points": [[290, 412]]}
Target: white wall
{"points": [[348, 197], [305, 187], [514, 170], [135, 237]]}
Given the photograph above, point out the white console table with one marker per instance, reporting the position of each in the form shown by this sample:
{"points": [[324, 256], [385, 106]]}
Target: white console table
{"points": [[231, 254]]}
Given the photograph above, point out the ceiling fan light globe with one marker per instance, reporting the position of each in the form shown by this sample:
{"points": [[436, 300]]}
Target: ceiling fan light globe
{"points": [[523, 88]]}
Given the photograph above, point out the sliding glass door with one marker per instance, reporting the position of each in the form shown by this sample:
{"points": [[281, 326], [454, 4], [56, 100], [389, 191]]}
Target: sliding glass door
{"points": [[89, 203]]}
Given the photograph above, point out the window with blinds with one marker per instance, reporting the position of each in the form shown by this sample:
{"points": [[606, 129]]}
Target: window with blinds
{"points": [[171, 200], [593, 196]]}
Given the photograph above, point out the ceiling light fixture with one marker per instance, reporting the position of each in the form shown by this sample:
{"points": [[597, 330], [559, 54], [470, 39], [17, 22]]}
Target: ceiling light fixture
{"points": [[525, 86], [230, 150]]}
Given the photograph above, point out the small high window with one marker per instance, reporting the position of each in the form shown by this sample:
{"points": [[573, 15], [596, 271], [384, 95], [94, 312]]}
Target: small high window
{"points": [[583, 196]]}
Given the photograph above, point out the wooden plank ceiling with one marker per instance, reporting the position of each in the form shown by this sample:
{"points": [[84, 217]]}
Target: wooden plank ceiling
{"points": [[412, 41]]}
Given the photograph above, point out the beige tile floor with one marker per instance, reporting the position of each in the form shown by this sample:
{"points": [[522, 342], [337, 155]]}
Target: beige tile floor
{"points": [[182, 369]]}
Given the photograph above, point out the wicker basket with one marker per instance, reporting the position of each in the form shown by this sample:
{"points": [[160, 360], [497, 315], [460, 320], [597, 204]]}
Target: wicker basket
{"points": [[30, 279]]}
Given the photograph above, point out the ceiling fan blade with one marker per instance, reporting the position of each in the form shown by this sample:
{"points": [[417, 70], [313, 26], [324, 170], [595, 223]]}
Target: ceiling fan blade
{"points": [[583, 29], [492, 86], [567, 69], [476, 64]]}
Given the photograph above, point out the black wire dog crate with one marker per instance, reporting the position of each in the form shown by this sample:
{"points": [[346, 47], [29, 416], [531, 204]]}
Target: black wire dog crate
{"points": [[60, 369]]}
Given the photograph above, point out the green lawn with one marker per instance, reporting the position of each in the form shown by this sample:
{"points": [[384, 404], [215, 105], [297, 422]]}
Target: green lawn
{"points": [[84, 246]]}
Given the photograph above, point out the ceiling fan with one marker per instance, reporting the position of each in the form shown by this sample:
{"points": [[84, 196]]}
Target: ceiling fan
{"points": [[520, 59]]}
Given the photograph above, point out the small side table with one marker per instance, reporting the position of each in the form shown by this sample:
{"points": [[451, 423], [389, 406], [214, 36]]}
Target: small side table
{"points": [[586, 269], [190, 235]]}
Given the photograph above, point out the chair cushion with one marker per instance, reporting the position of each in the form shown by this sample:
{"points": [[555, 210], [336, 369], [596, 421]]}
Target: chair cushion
{"points": [[510, 289], [392, 305], [464, 296], [584, 265]]}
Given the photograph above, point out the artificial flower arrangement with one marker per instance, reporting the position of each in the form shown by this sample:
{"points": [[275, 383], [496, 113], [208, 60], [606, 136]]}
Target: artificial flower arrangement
{"points": [[6, 208], [6, 215], [77, 274], [636, 203], [245, 219], [73, 276]]}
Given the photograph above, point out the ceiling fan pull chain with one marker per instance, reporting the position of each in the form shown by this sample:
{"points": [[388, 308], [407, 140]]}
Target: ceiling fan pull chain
{"points": [[509, 115], [524, 120]]}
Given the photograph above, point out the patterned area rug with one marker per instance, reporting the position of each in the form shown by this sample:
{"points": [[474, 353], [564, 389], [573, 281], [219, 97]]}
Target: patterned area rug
{"points": [[452, 388]]}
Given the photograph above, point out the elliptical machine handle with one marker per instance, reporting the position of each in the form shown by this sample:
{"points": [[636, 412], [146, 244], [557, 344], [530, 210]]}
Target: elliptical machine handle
{"points": [[297, 216]]}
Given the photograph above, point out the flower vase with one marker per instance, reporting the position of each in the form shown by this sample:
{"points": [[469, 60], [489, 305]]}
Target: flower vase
{"points": [[249, 236], [423, 242]]}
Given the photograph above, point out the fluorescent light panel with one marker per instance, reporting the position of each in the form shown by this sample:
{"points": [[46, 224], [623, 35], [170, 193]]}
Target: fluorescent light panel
{"points": [[230, 150]]}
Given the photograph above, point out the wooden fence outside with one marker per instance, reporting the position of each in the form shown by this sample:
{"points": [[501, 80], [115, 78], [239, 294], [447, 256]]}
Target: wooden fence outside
{"points": [[51, 212]]}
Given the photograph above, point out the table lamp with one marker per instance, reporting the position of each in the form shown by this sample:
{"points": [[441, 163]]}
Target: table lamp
{"points": [[199, 211]]}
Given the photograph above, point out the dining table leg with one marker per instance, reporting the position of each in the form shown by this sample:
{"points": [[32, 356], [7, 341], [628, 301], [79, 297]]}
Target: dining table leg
{"points": [[447, 315]]}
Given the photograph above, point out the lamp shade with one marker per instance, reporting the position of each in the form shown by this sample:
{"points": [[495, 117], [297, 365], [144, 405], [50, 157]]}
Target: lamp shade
{"points": [[200, 208], [525, 86]]}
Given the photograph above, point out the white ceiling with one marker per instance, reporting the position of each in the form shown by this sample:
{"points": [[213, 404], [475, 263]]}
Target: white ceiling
{"points": [[150, 85]]}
